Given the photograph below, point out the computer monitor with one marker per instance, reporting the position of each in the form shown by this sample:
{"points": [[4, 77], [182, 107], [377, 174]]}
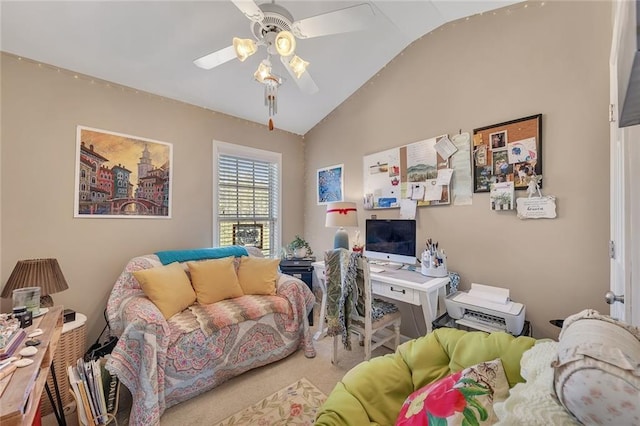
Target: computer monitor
{"points": [[392, 240]]}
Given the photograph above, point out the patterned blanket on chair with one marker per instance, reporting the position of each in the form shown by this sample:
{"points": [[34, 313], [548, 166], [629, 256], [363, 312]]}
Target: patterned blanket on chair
{"points": [[341, 275], [345, 293]]}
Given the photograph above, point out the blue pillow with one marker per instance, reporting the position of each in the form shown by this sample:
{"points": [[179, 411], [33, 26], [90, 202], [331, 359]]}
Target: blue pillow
{"points": [[170, 256]]}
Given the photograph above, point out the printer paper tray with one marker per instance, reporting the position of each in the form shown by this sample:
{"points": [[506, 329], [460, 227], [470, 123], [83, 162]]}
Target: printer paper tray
{"points": [[478, 325]]}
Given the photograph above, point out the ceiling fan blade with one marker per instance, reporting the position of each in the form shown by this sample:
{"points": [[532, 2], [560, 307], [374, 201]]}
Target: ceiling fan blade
{"points": [[305, 82], [354, 18], [216, 58], [250, 9]]}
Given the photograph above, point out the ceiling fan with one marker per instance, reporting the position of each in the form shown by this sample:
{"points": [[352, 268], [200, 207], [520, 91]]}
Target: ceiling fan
{"points": [[273, 27]]}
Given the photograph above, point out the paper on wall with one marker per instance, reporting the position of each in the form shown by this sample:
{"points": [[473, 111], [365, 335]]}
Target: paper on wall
{"points": [[461, 163], [433, 191], [444, 176], [389, 197], [522, 150], [417, 191], [445, 148], [408, 208]]}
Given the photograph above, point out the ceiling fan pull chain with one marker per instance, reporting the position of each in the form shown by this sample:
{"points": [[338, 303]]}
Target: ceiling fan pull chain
{"points": [[270, 123]]}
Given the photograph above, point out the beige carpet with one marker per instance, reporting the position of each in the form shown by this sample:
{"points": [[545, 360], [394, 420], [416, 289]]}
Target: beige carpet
{"points": [[251, 387]]}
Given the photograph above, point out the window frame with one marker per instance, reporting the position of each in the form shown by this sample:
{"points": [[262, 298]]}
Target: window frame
{"points": [[249, 153]]}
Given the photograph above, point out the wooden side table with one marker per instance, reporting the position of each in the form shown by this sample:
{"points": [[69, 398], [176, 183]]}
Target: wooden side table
{"points": [[19, 403], [71, 346]]}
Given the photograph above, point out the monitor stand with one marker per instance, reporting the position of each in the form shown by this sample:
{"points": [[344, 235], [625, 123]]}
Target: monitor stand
{"points": [[392, 265]]}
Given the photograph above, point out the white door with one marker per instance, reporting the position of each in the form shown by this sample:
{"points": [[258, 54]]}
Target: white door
{"points": [[625, 165], [632, 139]]}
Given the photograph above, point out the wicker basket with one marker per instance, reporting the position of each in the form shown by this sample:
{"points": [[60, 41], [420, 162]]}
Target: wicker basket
{"points": [[71, 346], [110, 414]]}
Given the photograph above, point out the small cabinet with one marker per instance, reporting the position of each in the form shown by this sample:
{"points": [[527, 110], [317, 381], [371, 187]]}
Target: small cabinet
{"points": [[301, 269]]}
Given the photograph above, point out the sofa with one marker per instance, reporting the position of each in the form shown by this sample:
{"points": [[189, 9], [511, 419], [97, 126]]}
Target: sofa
{"points": [[591, 375], [189, 320]]}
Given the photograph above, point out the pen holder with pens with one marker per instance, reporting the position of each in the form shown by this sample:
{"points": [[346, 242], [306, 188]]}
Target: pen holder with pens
{"points": [[434, 264]]}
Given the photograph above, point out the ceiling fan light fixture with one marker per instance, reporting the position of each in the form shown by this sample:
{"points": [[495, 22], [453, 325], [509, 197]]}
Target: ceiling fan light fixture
{"points": [[244, 47], [298, 65], [263, 71], [285, 43], [271, 84]]}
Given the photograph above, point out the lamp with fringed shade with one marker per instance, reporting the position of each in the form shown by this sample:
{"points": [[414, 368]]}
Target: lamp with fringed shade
{"points": [[44, 274]]}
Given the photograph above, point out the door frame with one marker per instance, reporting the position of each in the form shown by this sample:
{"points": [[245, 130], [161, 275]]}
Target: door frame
{"points": [[623, 167]]}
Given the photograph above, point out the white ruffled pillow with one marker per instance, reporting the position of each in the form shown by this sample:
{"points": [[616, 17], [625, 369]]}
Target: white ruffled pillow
{"points": [[597, 371], [533, 403]]}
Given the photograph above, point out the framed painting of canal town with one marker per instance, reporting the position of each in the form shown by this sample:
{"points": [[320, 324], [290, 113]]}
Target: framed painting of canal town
{"points": [[121, 176]]}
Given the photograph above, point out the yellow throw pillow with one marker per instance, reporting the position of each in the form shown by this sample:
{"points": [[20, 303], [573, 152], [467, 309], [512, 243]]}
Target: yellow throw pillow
{"points": [[168, 287], [214, 280], [258, 276]]}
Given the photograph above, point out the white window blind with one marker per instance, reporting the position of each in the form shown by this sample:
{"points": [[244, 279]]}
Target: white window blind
{"points": [[248, 199]]}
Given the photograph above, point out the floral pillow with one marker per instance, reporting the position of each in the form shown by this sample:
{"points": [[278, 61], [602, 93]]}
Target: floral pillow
{"points": [[465, 397]]}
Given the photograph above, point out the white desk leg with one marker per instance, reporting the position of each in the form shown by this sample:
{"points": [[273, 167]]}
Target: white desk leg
{"points": [[425, 301], [429, 302], [322, 330]]}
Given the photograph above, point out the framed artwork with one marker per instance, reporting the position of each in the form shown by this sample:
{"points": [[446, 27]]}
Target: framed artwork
{"points": [[330, 182], [508, 152], [121, 176], [247, 234]]}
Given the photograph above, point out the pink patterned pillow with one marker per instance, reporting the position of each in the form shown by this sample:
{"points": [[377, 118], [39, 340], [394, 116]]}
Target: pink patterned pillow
{"points": [[466, 395]]}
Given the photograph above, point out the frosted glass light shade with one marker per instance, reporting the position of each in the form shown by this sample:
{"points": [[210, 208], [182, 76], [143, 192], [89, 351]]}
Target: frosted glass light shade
{"points": [[263, 71], [285, 43], [298, 65], [244, 47]]}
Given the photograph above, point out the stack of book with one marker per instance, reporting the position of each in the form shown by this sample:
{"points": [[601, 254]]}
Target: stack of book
{"points": [[11, 336], [95, 391]]}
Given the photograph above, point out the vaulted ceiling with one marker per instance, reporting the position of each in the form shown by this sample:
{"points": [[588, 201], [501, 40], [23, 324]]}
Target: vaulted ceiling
{"points": [[151, 45]]}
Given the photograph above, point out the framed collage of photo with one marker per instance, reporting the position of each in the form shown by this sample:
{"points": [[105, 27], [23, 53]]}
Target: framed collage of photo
{"points": [[507, 152]]}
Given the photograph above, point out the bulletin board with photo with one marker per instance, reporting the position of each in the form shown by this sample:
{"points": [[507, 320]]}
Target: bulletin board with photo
{"points": [[507, 152], [409, 171]]}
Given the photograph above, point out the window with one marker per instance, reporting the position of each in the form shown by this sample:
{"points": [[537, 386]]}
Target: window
{"points": [[246, 191]]}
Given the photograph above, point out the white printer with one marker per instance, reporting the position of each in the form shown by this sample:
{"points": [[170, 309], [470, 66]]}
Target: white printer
{"points": [[486, 308]]}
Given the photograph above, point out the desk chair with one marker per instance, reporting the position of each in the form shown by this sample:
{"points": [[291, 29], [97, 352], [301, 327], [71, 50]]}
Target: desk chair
{"points": [[358, 309]]}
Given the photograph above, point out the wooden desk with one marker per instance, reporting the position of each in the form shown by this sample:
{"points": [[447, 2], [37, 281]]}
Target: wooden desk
{"points": [[19, 402]]}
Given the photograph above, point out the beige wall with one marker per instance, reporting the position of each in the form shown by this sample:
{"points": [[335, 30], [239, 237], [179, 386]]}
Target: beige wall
{"points": [[41, 108], [491, 68], [472, 73]]}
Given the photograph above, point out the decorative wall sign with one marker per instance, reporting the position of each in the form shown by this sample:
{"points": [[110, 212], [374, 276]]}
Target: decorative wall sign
{"points": [[121, 176], [410, 171], [330, 184], [536, 207], [507, 152]]}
